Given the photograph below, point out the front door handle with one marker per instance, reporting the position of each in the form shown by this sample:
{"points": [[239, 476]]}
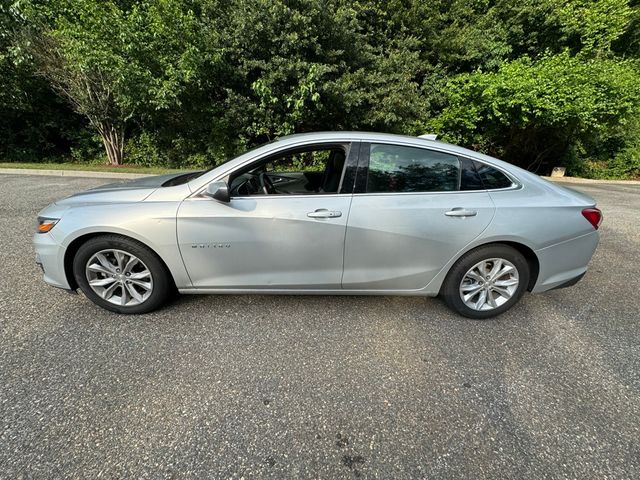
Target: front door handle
{"points": [[460, 212], [324, 213]]}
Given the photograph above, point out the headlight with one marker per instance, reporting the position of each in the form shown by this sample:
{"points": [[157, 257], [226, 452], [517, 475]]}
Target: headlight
{"points": [[46, 224]]}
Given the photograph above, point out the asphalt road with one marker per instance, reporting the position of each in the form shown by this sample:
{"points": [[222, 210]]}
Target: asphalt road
{"points": [[319, 387]]}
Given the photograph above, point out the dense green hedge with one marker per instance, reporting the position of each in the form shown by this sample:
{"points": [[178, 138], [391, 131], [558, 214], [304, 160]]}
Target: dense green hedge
{"points": [[539, 83]]}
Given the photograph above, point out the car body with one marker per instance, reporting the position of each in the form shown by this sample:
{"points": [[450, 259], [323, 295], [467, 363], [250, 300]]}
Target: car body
{"points": [[384, 214]]}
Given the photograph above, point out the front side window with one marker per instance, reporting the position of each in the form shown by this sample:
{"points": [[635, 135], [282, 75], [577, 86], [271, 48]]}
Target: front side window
{"points": [[295, 172], [395, 168]]}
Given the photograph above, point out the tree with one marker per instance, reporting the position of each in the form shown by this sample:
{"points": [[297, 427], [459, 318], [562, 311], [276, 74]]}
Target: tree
{"points": [[114, 61], [537, 113], [35, 123], [300, 66], [193, 82]]}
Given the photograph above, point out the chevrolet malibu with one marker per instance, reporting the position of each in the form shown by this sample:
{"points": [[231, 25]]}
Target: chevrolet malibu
{"points": [[325, 213]]}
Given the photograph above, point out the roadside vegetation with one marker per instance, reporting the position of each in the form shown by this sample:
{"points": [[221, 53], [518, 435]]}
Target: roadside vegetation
{"points": [[96, 166], [191, 83]]}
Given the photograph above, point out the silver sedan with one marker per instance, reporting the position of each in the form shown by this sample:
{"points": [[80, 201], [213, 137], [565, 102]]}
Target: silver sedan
{"points": [[325, 213]]}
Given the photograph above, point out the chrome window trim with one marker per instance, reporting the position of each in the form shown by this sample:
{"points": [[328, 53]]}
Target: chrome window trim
{"points": [[440, 192], [274, 197], [514, 186]]}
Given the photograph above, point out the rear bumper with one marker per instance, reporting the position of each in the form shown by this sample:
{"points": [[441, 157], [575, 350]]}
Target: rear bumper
{"points": [[564, 264], [50, 258], [570, 283]]}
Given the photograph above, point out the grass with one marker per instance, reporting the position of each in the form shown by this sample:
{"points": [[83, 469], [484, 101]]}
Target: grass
{"points": [[89, 167]]}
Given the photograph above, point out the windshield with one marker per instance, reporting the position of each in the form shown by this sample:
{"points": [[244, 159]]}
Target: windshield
{"points": [[188, 176]]}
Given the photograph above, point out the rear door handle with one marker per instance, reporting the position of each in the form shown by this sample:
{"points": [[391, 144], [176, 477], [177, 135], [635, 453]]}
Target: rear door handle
{"points": [[460, 212], [324, 213]]}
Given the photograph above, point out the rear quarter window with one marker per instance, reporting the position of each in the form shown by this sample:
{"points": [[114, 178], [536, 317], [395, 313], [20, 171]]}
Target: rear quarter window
{"points": [[469, 177], [491, 177]]}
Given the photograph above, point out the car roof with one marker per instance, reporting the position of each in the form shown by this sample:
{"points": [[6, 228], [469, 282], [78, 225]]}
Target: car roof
{"points": [[354, 135], [393, 138]]}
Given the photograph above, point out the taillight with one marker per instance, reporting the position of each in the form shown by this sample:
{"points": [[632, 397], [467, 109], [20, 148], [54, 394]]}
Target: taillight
{"points": [[593, 215]]}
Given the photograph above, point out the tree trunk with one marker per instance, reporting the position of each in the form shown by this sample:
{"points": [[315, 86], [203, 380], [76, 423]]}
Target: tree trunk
{"points": [[113, 141]]}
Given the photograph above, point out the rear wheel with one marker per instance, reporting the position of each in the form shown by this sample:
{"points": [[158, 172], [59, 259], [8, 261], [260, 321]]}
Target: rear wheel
{"points": [[121, 275], [486, 282]]}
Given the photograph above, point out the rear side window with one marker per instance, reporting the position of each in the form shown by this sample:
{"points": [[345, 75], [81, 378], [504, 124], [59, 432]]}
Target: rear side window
{"points": [[395, 168], [469, 178], [479, 176], [491, 177]]}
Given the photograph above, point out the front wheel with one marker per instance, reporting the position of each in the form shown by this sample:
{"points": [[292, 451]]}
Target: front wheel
{"points": [[121, 275], [486, 281]]}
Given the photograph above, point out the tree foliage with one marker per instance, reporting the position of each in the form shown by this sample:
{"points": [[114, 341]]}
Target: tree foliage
{"points": [[192, 82], [539, 112], [113, 62]]}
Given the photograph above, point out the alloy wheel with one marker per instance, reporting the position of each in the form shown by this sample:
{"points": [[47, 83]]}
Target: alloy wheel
{"points": [[489, 284], [119, 277]]}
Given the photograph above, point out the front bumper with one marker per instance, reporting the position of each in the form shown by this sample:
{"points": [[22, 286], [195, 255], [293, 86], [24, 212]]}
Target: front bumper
{"points": [[50, 258]]}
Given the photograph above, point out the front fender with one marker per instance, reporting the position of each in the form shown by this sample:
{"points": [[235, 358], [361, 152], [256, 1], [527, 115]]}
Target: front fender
{"points": [[153, 224]]}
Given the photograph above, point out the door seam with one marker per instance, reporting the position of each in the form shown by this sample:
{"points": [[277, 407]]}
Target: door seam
{"points": [[344, 242]]}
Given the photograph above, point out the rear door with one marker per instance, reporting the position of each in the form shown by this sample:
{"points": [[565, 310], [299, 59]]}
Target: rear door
{"points": [[409, 216]]}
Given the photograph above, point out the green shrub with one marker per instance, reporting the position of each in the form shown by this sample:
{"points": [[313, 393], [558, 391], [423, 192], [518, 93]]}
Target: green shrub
{"points": [[538, 114], [87, 148], [143, 150]]}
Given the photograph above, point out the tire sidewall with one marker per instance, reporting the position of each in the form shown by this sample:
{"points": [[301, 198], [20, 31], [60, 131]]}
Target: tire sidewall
{"points": [[451, 286], [161, 282]]}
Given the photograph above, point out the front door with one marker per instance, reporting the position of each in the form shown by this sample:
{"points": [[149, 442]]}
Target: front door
{"points": [[283, 228]]}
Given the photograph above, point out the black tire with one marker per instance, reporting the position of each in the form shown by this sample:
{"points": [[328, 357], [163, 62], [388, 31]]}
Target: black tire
{"points": [[163, 286], [450, 291]]}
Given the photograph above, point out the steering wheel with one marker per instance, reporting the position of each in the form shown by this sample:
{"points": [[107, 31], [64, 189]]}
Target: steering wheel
{"points": [[266, 183]]}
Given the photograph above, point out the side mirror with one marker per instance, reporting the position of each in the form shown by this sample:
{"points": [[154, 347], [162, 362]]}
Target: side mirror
{"points": [[218, 191]]}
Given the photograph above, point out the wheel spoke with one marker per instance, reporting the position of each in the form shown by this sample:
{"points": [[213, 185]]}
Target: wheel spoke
{"points": [[133, 261], [471, 287], [475, 276], [470, 291], [482, 299], [140, 275], [469, 296], [133, 292], [482, 268], [497, 265], [504, 271], [506, 283], [503, 292], [490, 300], [120, 257], [96, 267], [123, 295], [107, 293], [105, 262], [145, 285], [102, 282]]}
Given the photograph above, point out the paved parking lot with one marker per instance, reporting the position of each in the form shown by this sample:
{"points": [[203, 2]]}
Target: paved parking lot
{"points": [[319, 387]]}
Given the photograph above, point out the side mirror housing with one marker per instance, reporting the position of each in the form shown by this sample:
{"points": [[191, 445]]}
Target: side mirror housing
{"points": [[218, 191]]}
